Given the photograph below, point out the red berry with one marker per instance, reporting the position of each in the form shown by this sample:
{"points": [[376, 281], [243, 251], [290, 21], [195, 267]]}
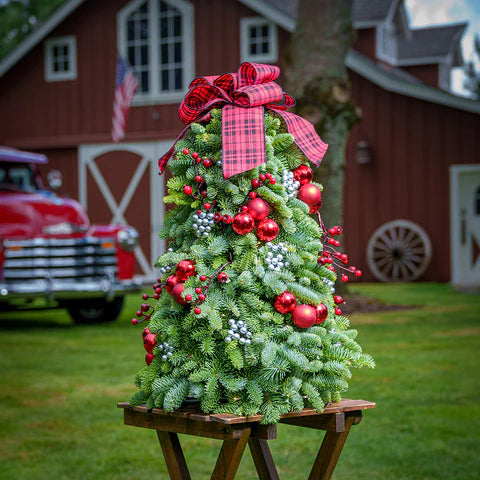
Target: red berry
{"points": [[252, 195], [322, 261], [207, 163], [145, 307], [331, 268], [134, 321], [344, 257], [329, 260], [338, 299], [339, 229], [197, 311], [204, 193], [331, 241], [268, 175], [199, 178], [145, 296], [255, 183], [158, 290], [198, 160], [332, 231], [147, 318], [203, 278], [244, 208], [195, 155], [262, 176], [344, 278], [222, 277], [325, 253], [217, 217], [198, 290], [358, 273], [149, 358], [352, 268], [202, 297], [187, 190], [336, 243], [273, 181], [186, 151], [188, 297], [139, 313], [207, 206], [156, 296], [337, 311]]}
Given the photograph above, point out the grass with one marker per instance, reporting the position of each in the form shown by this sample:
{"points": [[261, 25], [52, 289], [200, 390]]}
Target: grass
{"points": [[59, 385]]}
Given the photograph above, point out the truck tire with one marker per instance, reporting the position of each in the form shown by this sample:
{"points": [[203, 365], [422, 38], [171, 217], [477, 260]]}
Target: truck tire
{"points": [[95, 310]]}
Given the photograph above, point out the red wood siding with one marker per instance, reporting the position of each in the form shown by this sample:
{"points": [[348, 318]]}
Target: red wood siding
{"points": [[428, 74], [413, 143], [365, 42]]}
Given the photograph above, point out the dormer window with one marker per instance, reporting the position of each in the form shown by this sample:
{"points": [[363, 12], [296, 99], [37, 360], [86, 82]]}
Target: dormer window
{"points": [[258, 40], [386, 43], [60, 59], [156, 36]]}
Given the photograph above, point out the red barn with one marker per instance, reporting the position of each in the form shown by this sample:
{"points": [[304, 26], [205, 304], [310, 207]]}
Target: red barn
{"points": [[411, 160]]}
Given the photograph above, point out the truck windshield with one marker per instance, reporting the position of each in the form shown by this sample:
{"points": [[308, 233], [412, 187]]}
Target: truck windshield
{"points": [[17, 176]]}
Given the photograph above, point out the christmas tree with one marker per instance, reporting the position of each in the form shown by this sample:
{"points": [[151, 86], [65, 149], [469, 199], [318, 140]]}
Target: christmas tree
{"points": [[246, 319]]}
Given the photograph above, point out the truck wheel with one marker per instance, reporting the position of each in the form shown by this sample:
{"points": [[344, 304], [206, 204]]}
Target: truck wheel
{"points": [[95, 310]]}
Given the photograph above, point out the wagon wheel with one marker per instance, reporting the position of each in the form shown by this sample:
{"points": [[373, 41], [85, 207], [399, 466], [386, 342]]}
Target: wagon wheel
{"points": [[399, 251]]}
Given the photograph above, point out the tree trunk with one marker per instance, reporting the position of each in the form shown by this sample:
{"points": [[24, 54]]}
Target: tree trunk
{"points": [[317, 78]]}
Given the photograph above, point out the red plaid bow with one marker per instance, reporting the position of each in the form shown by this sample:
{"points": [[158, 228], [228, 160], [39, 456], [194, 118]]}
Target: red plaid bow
{"points": [[243, 96]]}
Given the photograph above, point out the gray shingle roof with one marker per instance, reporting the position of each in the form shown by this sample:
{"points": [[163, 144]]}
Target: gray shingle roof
{"points": [[430, 42]]}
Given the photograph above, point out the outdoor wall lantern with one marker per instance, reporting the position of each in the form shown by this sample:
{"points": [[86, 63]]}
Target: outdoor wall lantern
{"points": [[363, 152]]}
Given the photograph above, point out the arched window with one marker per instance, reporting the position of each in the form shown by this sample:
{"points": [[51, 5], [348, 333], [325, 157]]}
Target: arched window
{"points": [[476, 207], [156, 37]]}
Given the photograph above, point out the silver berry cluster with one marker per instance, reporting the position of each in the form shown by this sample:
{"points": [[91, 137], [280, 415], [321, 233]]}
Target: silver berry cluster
{"points": [[167, 268], [290, 184], [167, 350], [329, 283], [275, 258], [203, 223], [238, 331]]}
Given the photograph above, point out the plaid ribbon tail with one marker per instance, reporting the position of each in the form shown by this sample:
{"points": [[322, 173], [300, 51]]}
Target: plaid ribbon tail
{"points": [[306, 138], [243, 139], [163, 161]]}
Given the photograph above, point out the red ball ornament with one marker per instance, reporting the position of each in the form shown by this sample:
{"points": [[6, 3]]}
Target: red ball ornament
{"points": [[304, 316], [185, 269], [267, 229], [172, 280], [149, 358], [311, 195], [321, 312], [258, 208], [285, 303], [303, 174], [177, 292], [149, 342], [243, 223]]}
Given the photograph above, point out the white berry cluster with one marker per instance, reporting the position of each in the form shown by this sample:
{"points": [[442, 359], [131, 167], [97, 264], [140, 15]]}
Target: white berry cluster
{"points": [[275, 258], [329, 283], [168, 268], [290, 184], [167, 350], [238, 331], [203, 223]]}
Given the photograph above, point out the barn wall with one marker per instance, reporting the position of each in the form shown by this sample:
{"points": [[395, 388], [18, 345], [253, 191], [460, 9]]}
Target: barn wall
{"points": [[428, 74], [414, 143], [365, 41]]}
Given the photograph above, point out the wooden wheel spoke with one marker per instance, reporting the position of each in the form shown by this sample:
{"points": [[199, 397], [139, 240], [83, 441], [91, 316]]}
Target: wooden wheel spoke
{"points": [[404, 271], [395, 270], [386, 240], [383, 262], [382, 246]]}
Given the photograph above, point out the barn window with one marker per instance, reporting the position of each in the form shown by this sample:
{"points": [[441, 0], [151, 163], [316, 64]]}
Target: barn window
{"points": [[477, 202], [258, 40], [60, 59], [156, 37]]}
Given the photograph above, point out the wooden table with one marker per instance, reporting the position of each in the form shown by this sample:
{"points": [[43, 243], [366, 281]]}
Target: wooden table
{"points": [[236, 432]]}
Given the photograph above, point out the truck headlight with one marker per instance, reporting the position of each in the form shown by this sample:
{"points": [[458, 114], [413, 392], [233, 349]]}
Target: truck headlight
{"points": [[127, 238]]}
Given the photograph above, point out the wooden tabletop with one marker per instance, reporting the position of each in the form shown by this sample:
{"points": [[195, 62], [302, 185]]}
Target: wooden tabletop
{"points": [[194, 412]]}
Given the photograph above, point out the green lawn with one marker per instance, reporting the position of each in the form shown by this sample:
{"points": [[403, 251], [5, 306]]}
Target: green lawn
{"points": [[59, 385]]}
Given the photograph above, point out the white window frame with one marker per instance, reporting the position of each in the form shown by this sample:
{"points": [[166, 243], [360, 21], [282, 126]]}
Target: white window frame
{"points": [[50, 44], [386, 35], [245, 25], [188, 49]]}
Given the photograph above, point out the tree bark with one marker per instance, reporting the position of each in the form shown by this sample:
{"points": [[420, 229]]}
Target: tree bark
{"points": [[316, 77]]}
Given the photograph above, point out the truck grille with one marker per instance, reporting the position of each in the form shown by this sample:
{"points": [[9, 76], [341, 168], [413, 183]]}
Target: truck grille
{"points": [[41, 260]]}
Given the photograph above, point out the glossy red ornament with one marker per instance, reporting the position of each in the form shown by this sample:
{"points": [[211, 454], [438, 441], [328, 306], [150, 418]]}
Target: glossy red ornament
{"points": [[149, 342], [177, 292], [303, 174], [187, 190], [321, 312], [172, 280], [258, 208], [149, 358], [311, 195], [243, 223], [185, 269], [267, 229], [285, 303], [222, 277], [304, 316]]}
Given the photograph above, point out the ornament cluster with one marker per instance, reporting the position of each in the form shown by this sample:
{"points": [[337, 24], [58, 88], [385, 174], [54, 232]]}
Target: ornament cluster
{"points": [[276, 256], [238, 331]]}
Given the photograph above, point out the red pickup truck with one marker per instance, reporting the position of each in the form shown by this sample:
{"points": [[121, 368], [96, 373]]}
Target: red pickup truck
{"points": [[50, 254]]}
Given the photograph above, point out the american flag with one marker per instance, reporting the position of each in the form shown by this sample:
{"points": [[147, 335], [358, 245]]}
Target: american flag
{"points": [[125, 87]]}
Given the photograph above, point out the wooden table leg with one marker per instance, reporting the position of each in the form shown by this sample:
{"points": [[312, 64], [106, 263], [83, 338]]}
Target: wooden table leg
{"points": [[331, 448], [174, 458], [229, 457], [262, 458]]}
